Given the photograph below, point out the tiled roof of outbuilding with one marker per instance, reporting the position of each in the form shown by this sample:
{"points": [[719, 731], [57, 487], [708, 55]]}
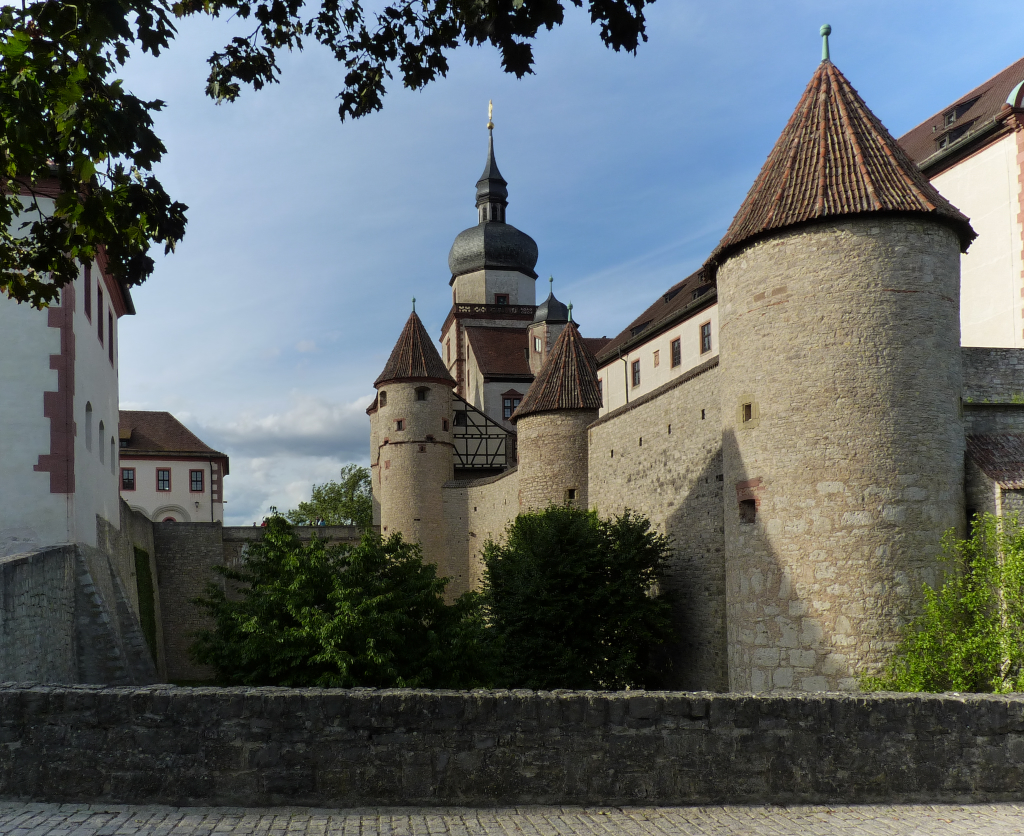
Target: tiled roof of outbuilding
{"points": [[567, 380], [159, 432], [1000, 457], [499, 351], [414, 357], [666, 309], [974, 110], [834, 158]]}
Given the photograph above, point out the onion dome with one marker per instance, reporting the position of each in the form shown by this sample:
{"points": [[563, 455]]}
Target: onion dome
{"points": [[551, 310], [567, 380], [414, 357], [492, 244], [835, 159]]}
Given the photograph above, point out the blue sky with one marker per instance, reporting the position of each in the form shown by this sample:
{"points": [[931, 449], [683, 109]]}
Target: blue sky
{"points": [[308, 237]]}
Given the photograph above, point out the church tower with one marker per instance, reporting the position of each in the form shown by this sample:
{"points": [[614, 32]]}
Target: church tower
{"points": [[838, 287], [552, 422], [493, 285], [412, 440]]}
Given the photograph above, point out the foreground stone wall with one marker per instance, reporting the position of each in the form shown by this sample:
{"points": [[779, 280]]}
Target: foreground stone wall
{"points": [[661, 455], [364, 747]]}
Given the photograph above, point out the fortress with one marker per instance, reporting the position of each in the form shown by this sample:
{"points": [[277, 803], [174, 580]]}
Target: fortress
{"points": [[796, 415]]}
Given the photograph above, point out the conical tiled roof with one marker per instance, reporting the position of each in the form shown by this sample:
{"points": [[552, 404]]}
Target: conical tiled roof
{"points": [[835, 158], [414, 357], [567, 380]]}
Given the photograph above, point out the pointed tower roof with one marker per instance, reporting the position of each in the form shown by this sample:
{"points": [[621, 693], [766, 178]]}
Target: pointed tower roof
{"points": [[414, 358], [835, 158], [567, 380], [491, 187]]}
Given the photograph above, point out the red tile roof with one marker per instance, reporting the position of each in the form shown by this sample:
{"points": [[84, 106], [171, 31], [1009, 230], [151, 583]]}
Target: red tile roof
{"points": [[834, 158], [159, 432], [667, 309], [499, 352], [414, 357], [974, 111], [1000, 457], [567, 380]]}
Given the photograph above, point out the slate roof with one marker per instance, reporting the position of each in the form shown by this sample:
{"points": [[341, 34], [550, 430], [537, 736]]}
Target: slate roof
{"points": [[160, 432], [500, 352], [834, 158], [667, 309], [414, 357], [1000, 457], [975, 110], [567, 380]]}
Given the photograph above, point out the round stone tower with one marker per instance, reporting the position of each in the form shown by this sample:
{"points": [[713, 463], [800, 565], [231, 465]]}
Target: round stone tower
{"points": [[412, 433], [838, 286], [551, 425]]}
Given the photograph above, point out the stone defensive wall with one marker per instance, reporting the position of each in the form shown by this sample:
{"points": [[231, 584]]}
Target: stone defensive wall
{"points": [[661, 456], [361, 747], [993, 391], [477, 511], [186, 554]]}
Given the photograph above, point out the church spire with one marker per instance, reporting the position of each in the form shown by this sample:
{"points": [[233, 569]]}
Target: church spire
{"points": [[491, 188]]}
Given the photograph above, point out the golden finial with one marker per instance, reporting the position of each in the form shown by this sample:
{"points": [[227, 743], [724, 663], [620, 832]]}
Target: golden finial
{"points": [[490, 115]]}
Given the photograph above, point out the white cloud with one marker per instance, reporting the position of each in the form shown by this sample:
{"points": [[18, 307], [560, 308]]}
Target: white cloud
{"points": [[305, 346]]}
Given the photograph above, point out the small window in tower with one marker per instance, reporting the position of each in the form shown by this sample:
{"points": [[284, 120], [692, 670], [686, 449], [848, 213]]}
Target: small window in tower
{"points": [[383, 398], [537, 345], [500, 298], [677, 352], [657, 359], [421, 393], [748, 412], [748, 511], [705, 338], [570, 495], [636, 372], [444, 424], [702, 414], [399, 425]]}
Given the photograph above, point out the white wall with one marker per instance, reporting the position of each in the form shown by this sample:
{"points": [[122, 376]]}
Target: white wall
{"points": [[615, 381], [985, 187], [96, 477], [179, 502], [480, 287]]}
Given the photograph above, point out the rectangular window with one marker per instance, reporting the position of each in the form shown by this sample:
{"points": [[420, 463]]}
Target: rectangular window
{"points": [[600, 388], [705, 338], [636, 372], [509, 406], [460, 419], [99, 314], [677, 353], [537, 344], [163, 480], [195, 481], [500, 298], [449, 347], [399, 425], [127, 478], [88, 292], [657, 358], [110, 336]]}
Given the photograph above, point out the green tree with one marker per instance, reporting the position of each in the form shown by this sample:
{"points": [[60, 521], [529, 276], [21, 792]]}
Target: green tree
{"points": [[66, 117], [339, 616], [970, 636], [345, 502], [573, 600]]}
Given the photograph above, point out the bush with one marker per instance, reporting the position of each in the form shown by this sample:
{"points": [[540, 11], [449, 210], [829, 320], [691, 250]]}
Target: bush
{"points": [[573, 600], [340, 616], [970, 636]]}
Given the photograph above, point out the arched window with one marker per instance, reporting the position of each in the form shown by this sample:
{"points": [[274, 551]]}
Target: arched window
{"points": [[168, 519], [383, 398], [101, 441], [88, 426]]}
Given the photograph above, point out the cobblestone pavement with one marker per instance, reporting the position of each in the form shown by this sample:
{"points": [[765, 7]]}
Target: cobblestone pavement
{"points": [[29, 819]]}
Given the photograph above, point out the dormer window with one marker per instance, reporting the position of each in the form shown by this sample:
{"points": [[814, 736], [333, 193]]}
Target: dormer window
{"points": [[950, 117]]}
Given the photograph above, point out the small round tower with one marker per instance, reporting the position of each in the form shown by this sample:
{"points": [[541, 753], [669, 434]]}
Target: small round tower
{"points": [[412, 432], [838, 286], [551, 425], [549, 320]]}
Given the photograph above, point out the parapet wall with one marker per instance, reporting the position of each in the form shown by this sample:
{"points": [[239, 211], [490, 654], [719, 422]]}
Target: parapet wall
{"points": [[250, 747], [661, 456]]}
